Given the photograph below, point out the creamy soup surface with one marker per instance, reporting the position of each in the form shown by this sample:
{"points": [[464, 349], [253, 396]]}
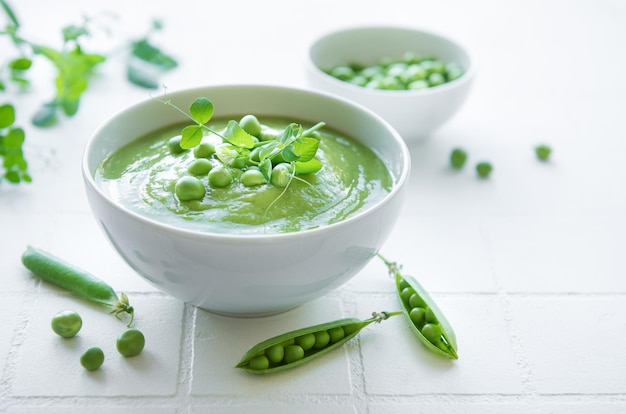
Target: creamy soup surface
{"points": [[142, 175]]}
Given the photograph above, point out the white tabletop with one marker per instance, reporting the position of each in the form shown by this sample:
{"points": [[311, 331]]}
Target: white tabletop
{"points": [[528, 265]]}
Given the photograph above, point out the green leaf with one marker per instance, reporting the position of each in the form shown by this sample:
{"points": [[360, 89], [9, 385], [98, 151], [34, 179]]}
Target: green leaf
{"points": [[46, 115], [237, 136], [306, 148], [226, 153], [266, 169], [20, 63], [141, 77], [201, 110], [289, 134], [308, 167], [267, 151], [70, 107], [191, 136], [2, 86], [288, 154], [7, 115], [147, 52], [73, 32], [14, 138]]}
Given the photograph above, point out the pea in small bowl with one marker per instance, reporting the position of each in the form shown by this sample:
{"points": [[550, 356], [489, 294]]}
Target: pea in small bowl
{"points": [[416, 112], [236, 273]]}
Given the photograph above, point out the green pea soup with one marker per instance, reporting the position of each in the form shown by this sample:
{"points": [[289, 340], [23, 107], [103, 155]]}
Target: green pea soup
{"points": [[142, 175]]}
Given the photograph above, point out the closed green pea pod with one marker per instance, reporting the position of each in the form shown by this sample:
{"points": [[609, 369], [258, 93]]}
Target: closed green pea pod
{"points": [[318, 337]]}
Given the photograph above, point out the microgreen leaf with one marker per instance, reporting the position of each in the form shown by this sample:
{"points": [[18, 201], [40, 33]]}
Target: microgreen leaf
{"points": [[147, 52], [226, 153], [288, 154], [308, 167], [7, 115], [20, 63], [266, 169], [305, 148], [191, 136], [46, 115], [141, 77], [267, 150], [289, 134], [201, 110], [237, 136], [73, 32]]}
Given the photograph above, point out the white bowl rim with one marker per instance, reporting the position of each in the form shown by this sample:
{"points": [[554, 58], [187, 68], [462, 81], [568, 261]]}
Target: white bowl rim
{"points": [[468, 75], [234, 237]]}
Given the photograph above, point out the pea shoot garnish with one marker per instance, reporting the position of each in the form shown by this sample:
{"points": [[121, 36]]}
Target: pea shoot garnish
{"points": [[249, 153], [67, 276]]}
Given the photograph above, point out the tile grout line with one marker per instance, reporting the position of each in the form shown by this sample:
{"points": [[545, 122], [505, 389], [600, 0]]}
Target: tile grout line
{"points": [[521, 358]]}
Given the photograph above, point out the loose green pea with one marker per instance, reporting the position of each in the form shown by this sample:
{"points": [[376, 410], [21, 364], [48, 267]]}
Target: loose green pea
{"points": [[204, 150], [372, 71], [173, 144], [259, 362], [201, 166], [543, 152], [66, 323], [306, 342], [220, 177], [275, 353], [293, 353], [336, 334], [418, 316], [359, 80], [252, 178], [418, 85], [458, 156], [322, 339], [130, 342], [240, 162], [453, 71], [436, 79], [342, 72], [92, 358], [189, 188], [484, 169], [251, 125], [281, 175]]}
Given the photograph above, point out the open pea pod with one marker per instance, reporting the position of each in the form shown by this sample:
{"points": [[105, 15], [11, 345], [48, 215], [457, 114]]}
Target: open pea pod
{"points": [[300, 346], [426, 319]]}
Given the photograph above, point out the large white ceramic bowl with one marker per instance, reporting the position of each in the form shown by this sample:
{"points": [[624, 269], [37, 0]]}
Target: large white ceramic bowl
{"points": [[248, 275], [414, 114]]}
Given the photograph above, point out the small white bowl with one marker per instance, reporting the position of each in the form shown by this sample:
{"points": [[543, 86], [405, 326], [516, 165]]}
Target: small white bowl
{"points": [[248, 275], [414, 114]]}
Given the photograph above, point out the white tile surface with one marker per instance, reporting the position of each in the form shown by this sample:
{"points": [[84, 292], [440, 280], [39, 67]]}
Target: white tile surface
{"points": [[48, 365], [215, 355], [527, 265], [396, 363], [573, 344]]}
